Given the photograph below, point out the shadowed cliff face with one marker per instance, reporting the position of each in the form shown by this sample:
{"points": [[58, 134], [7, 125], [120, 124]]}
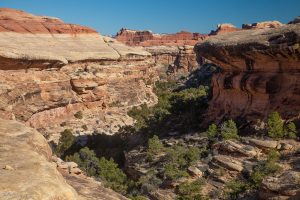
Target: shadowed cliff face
{"points": [[51, 70], [261, 71]]}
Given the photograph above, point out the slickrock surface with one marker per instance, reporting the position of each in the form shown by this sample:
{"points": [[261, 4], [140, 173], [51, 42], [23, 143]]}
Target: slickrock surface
{"points": [[89, 189], [51, 70], [26, 170], [260, 70], [30, 175]]}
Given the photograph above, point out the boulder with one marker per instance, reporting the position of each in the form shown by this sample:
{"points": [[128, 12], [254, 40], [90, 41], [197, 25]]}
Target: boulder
{"points": [[268, 144], [194, 171], [285, 186], [229, 163], [231, 146]]}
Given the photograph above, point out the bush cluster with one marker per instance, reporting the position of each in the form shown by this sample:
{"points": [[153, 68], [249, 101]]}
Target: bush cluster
{"points": [[226, 131]]}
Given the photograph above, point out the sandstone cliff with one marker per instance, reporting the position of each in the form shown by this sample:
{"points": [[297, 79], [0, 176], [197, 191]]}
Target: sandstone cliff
{"points": [[51, 70], [260, 72], [172, 53]]}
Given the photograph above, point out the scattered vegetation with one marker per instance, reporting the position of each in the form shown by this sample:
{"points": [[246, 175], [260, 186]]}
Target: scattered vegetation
{"points": [[269, 167], [78, 115], [212, 131], [106, 170], [154, 147], [226, 131], [66, 140], [277, 129], [115, 104], [266, 168], [190, 191], [181, 107]]}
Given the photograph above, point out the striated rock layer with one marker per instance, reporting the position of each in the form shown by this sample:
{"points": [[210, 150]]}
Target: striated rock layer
{"points": [[172, 53], [51, 70], [260, 72], [147, 38]]}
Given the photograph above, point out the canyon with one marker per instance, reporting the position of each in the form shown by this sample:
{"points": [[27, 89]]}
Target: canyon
{"points": [[172, 53], [57, 76]]}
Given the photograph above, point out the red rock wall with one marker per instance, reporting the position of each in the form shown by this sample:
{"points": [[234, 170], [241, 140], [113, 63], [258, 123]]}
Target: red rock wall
{"points": [[147, 38], [18, 21], [261, 73]]}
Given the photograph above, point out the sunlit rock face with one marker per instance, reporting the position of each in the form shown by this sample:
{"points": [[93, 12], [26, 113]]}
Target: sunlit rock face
{"points": [[260, 72], [223, 29], [172, 53], [28, 171], [51, 70]]}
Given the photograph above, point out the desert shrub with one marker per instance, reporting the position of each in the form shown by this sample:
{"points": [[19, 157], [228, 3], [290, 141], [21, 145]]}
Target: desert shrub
{"points": [[267, 168], [112, 175], [275, 126], [277, 129], [212, 131], [84, 127], [173, 172], [192, 155], [115, 104], [190, 191], [155, 147], [138, 197], [229, 130], [291, 130], [86, 160], [78, 115], [179, 158], [234, 188], [66, 140], [140, 114], [107, 170]]}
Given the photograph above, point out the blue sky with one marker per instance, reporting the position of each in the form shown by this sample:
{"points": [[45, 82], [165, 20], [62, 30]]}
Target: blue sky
{"points": [[161, 16]]}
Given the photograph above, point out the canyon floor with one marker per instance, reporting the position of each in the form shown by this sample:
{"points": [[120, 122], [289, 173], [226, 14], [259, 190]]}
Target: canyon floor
{"points": [[141, 115]]}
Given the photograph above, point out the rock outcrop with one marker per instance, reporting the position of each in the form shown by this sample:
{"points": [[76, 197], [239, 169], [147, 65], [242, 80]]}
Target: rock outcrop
{"points": [[260, 70], [262, 25], [224, 28], [26, 170], [51, 70], [172, 53]]}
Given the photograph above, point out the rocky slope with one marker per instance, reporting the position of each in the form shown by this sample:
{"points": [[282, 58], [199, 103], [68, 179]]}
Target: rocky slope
{"points": [[51, 70], [260, 70], [225, 161], [27, 171]]}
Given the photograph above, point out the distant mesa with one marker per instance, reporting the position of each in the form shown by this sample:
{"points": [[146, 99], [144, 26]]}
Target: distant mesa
{"points": [[148, 38]]}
